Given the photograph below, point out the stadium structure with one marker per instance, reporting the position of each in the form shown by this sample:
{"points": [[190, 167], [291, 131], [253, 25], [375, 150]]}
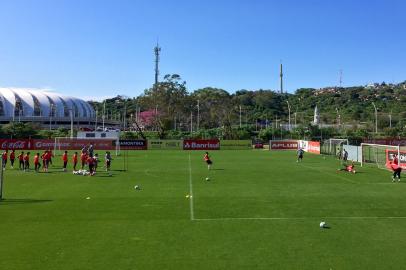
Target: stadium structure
{"points": [[45, 108]]}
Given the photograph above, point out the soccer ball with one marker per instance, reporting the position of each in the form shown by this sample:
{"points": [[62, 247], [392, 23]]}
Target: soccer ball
{"points": [[137, 187], [322, 224], [207, 179]]}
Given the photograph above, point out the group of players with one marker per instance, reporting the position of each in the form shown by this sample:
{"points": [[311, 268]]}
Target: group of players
{"points": [[87, 158], [343, 155]]}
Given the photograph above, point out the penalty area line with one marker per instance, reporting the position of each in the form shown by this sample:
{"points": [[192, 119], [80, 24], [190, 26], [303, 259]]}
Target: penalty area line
{"points": [[290, 218], [192, 214]]}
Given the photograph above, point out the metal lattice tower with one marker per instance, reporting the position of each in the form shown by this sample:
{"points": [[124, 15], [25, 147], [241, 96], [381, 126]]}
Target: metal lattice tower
{"points": [[157, 51]]}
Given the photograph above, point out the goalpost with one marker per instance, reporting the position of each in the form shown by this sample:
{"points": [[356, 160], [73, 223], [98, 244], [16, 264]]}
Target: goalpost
{"points": [[378, 154], [333, 146], [61, 143]]}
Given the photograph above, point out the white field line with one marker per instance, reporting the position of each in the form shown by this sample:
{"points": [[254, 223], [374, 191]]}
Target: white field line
{"points": [[192, 214], [290, 218]]}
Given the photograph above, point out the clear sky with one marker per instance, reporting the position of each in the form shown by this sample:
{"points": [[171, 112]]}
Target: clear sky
{"points": [[95, 48]]}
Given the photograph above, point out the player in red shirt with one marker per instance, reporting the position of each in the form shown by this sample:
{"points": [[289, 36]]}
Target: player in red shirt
{"points": [[45, 159], [12, 158], [396, 170], [4, 157], [21, 160], [395, 159], [37, 164], [65, 160], [75, 160], [27, 162], [348, 168], [90, 163], [83, 158], [208, 160]]}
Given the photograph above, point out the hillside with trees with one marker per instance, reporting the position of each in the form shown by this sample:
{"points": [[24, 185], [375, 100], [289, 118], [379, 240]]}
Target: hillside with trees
{"points": [[217, 112]]}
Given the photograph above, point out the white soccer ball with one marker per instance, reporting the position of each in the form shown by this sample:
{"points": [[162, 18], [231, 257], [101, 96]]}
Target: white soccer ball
{"points": [[322, 224], [207, 179], [136, 187]]}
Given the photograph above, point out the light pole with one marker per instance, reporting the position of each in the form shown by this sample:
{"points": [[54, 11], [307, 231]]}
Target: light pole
{"points": [[338, 118], [376, 118], [390, 120], [125, 115], [198, 114], [191, 122], [50, 116], [104, 111], [289, 114], [95, 122], [240, 116], [71, 123]]}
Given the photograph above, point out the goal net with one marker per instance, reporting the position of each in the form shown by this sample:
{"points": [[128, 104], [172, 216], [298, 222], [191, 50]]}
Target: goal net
{"points": [[65, 143], [378, 154], [333, 146]]}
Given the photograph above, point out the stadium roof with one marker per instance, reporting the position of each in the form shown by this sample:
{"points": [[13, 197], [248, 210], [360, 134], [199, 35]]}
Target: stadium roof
{"points": [[18, 102]]}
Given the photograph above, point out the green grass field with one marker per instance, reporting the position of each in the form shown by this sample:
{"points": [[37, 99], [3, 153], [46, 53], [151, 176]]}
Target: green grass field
{"points": [[260, 210]]}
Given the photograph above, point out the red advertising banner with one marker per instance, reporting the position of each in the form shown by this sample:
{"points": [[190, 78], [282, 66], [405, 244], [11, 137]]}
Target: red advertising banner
{"points": [[390, 154], [71, 144], [313, 147], [9, 144], [132, 144], [201, 144], [283, 145]]}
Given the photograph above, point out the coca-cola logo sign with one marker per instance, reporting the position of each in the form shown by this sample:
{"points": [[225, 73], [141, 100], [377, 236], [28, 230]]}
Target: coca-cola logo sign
{"points": [[15, 144]]}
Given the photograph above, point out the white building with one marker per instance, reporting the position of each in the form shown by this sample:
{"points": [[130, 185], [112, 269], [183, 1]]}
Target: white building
{"points": [[27, 105], [316, 119]]}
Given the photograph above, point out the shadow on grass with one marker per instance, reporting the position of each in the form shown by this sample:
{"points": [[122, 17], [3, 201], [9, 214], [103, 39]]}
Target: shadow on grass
{"points": [[22, 201], [219, 169]]}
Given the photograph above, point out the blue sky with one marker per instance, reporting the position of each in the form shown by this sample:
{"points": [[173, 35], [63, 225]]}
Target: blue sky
{"points": [[94, 49]]}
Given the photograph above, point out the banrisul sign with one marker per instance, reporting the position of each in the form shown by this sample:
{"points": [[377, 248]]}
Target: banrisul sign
{"points": [[201, 144], [235, 144], [165, 144]]}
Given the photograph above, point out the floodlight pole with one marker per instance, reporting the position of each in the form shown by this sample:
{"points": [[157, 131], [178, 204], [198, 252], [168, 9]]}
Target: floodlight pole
{"points": [[240, 116], [125, 115], [71, 123], [289, 114], [104, 111], [191, 122], [198, 115], [390, 120], [50, 117], [376, 118], [338, 118], [95, 122]]}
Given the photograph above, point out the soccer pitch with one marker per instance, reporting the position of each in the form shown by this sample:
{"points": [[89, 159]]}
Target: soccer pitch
{"points": [[260, 210]]}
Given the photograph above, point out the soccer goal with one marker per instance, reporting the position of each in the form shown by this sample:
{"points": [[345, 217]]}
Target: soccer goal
{"points": [[333, 146], [65, 143], [378, 154]]}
